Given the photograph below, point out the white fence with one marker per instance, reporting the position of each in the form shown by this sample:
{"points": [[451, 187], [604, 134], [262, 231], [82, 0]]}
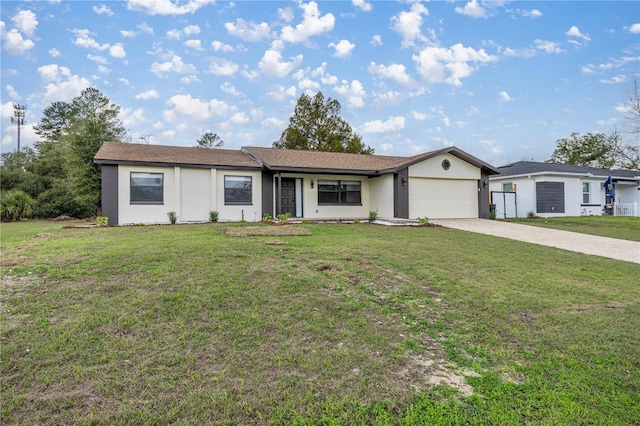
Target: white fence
{"points": [[626, 209]]}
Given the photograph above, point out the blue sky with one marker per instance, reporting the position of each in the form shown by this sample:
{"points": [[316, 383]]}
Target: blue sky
{"points": [[501, 80]]}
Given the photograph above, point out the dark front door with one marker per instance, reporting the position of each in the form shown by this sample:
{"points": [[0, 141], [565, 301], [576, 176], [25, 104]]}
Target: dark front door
{"points": [[288, 202]]}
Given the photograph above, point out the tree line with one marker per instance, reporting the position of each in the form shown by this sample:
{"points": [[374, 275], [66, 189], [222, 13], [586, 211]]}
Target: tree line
{"points": [[58, 177]]}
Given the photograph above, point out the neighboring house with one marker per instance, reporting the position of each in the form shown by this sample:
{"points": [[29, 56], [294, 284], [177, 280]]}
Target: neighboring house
{"points": [[550, 190], [142, 183]]}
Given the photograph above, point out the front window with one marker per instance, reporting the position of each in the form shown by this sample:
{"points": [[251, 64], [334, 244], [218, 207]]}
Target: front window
{"points": [[507, 187], [586, 199], [147, 188], [339, 192], [237, 190]]}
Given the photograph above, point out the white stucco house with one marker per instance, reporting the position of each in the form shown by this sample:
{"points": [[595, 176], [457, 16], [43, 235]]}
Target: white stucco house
{"points": [[142, 183], [551, 190]]}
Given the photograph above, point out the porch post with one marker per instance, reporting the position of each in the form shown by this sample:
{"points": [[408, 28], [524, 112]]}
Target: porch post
{"points": [[279, 195]]}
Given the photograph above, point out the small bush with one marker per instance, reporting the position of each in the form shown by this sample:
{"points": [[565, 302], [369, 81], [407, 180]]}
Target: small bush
{"points": [[173, 218], [356, 221], [423, 221], [266, 217], [532, 215], [373, 215], [284, 217], [15, 205], [102, 221], [213, 216]]}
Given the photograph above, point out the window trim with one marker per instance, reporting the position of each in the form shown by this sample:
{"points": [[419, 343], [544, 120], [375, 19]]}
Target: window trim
{"points": [[238, 203], [342, 193], [588, 193], [159, 202]]}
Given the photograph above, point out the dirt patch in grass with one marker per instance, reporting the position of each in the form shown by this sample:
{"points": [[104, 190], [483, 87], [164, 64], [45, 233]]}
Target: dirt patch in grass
{"points": [[610, 305], [267, 231]]}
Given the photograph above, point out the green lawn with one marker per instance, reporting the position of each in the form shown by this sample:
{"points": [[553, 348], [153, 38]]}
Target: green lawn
{"points": [[625, 228], [311, 324]]}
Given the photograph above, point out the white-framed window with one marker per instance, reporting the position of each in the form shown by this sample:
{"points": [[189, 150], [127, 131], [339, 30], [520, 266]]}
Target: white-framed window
{"points": [[586, 192], [507, 186], [339, 192], [147, 188], [237, 190]]}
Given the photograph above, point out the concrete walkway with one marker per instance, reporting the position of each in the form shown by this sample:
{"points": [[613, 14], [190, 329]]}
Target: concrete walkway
{"points": [[612, 248]]}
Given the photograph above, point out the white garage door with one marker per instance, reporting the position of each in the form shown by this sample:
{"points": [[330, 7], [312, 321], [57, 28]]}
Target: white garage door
{"points": [[443, 198]]}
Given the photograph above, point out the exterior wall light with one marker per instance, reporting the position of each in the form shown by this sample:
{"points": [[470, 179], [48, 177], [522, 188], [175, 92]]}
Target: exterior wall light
{"points": [[311, 183]]}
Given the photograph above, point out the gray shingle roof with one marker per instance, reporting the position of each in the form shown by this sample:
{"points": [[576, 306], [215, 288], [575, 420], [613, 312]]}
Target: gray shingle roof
{"points": [[118, 152], [270, 158], [531, 167]]}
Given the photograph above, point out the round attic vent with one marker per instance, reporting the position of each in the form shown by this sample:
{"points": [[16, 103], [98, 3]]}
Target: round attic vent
{"points": [[446, 164]]}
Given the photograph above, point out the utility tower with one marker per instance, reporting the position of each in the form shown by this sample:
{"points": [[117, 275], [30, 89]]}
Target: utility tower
{"points": [[18, 118]]}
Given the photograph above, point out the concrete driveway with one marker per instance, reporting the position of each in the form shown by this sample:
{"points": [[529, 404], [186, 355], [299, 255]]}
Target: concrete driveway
{"points": [[612, 248]]}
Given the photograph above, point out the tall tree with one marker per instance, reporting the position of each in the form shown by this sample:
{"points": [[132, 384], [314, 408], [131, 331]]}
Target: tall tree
{"points": [[95, 121], [633, 111], [597, 150], [210, 140], [316, 125], [591, 149]]}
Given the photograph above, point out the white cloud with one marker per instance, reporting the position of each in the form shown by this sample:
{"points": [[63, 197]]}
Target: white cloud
{"points": [[219, 46], [117, 51], [103, 9], [362, 5], [308, 84], [575, 32], [194, 44], [312, 24], [615, 80], [378, 126], [149, 94], [97, 58], [189, 79], [239, 119], [396, 72], [128, 34], [174, 34], [635, 28], [197, 109], [376, 40], [272, 64], [15, 44], [472, 9], [419, 116], [450, 65], [145, 28], [60, 84], [124, 81], [280, 93], [548, 46], [54, 53], [191, 30], [175, 65], [533, 13], [354, 92], [220, 67], [286, 14], [13, 94], [273, 122], [83, 39], [504, 97], [167, 7], [409, 24], [103, 70], [229, 88], [343, 48], [26, 22], [248, 31]]}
